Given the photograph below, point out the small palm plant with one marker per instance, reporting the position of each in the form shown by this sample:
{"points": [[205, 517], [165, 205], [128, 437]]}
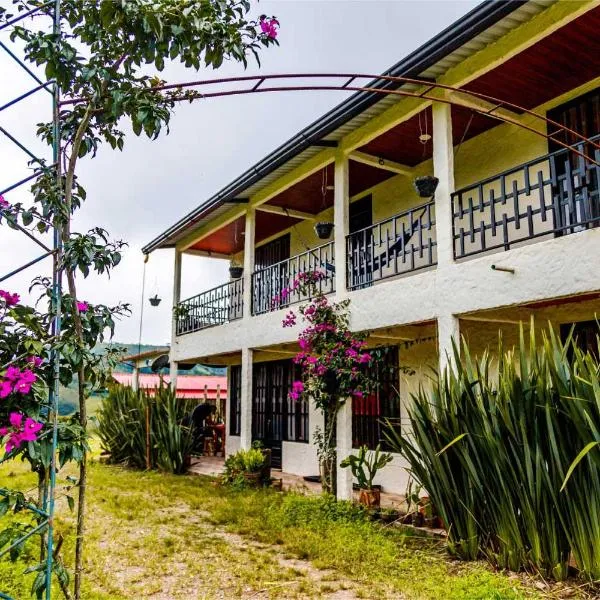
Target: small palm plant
{"points": [[364, 467]]}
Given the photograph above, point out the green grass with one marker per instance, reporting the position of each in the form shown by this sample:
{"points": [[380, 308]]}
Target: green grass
{"points": [[164, 536]]}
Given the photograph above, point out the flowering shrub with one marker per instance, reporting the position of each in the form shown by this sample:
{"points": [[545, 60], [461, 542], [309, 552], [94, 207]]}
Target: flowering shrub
{"points": [[332, 361], [22, 429]]}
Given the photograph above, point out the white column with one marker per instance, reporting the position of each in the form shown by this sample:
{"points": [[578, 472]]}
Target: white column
{"points": [[246, 400], [448, 329], [341, 212], [343, 449], [443, 169], [249, 236], [176, 298], [135, 382]]}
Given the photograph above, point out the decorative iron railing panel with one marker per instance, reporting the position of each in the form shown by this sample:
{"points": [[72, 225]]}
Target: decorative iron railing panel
{"points": [[553, 195], [273, 287], [213, 307], [401, 244]]}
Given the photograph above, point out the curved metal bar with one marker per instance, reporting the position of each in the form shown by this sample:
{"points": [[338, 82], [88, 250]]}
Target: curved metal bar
{"points": [[350, 77]]}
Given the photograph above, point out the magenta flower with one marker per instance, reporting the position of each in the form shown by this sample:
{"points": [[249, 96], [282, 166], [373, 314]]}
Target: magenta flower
{"points": [[4, 204], [5, 389], [82, 307], [290, 320], [26, 380], [20, 431], [12, 373], [36, 361], [364, 358], [269, 27], [9, 299]]}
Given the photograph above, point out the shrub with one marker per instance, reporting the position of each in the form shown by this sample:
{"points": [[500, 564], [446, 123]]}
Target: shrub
{"points": [[123, 421], [243, 463], [493, 451]]}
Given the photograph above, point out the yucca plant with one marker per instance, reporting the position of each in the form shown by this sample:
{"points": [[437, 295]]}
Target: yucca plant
{"points": [[128, 420], [494, 441]]}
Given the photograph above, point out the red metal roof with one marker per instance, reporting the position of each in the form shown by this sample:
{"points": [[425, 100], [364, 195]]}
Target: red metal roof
{"points": [[188, 386]]}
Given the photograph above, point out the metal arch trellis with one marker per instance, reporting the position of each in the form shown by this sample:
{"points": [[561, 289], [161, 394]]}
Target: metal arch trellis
{"points": [[45, 514], [385, 85]]}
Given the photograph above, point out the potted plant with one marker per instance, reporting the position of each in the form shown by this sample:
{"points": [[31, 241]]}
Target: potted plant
{"points": [[155, 300], [426, 185], [245, 467], [364, 467], [235, 271], [266, 471], [324, 230]]}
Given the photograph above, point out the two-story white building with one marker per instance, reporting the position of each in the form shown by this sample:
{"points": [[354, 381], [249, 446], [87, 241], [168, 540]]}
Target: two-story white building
{"points": [[510, 233]]}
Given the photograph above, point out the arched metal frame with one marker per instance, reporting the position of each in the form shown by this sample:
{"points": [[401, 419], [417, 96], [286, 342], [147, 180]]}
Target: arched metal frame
{"points": [[46, 512], [448, 96], [347, 86]]}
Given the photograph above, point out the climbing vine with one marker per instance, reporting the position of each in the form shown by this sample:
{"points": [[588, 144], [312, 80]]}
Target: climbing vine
{"points": [[106, 62]]}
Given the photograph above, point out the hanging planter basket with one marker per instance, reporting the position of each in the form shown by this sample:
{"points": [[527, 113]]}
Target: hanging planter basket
{"points": [[236, 272], [324, 230], [426, 186], [155, 301]]}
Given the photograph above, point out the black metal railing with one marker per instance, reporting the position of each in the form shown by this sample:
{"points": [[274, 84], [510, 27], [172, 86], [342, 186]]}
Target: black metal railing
{"points": [[273, 287], [214, 307], [403, 243], [553, 195]]}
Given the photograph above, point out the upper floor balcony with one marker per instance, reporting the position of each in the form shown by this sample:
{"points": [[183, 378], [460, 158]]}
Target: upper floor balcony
{"points": [[510, 188]]}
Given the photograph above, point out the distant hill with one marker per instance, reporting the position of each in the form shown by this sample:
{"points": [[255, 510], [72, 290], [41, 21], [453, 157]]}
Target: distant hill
{"points": [[133, 348]]}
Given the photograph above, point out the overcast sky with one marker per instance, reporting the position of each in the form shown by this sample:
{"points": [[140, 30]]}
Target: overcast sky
{"points": [[140, 192]]}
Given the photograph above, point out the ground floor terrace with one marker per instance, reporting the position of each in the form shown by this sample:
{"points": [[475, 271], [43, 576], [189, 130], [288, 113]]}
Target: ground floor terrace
{"points": [[407, 356]]}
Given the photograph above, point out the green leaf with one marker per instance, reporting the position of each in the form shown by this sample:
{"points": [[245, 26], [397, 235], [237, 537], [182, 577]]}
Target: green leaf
{"points": [[456, 439], [577, 460]]}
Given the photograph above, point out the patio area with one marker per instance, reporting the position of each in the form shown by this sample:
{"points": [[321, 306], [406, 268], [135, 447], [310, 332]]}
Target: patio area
{"points": [[213, 466]]}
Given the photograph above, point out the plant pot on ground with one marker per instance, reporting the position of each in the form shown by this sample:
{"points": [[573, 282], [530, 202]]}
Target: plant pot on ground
{"points": [[426, 185], [364, 467], [324, 230]]}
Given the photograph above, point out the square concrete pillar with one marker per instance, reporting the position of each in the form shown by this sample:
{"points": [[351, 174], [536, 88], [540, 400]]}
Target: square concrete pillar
{"points": [[341, 212], [246, 400], [343, 449]]}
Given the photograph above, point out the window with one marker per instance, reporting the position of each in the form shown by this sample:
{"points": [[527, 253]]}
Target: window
{"points": [[577, 190], [235, 394], [585, 334], [369, 413]]}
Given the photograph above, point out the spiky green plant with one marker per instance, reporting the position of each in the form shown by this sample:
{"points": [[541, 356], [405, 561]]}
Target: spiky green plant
{"points": [[123, 421], [494, 441]]}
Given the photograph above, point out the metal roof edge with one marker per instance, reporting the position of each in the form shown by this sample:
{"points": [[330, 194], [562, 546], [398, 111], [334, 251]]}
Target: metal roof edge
{"points": [[470, 25]]}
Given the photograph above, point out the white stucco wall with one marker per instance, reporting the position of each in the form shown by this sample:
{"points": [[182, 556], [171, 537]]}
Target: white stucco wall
{"points": [[232, 444]]}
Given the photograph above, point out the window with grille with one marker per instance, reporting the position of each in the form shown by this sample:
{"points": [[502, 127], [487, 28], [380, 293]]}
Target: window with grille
{"points": [[235, 393], [370, 412], [585, 334]]}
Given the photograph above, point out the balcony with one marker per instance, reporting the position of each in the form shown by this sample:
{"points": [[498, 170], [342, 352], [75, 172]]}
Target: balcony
{"points": [[554, 195], [272, 287], [217, 306], [396, 246]]}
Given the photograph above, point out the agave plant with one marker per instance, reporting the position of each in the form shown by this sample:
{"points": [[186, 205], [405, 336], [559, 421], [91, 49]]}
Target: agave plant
{"points": [[508, 450]]}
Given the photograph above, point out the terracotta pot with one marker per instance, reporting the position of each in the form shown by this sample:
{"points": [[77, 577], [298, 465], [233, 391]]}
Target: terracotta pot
{"points": [[253, 479], [323, 230], [370, 498]]}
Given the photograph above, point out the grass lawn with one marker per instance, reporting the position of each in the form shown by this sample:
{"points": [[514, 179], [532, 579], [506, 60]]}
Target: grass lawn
{"points": [[159, 536]]}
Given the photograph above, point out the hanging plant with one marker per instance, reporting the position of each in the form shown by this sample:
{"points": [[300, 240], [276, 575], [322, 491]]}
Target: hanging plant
{"points": [[235, 271], [155, 300], [426, 185], [324, 230]]}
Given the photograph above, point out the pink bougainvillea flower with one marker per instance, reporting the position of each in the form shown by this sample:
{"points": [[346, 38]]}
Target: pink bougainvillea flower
{"points": [[82, 307], [36, 361], [5, 388], [26, 380], [30, 430], [9, 299], [269, 27], [20, 431], [12, 373], [364, 358], [290, 320], [3, 202]]}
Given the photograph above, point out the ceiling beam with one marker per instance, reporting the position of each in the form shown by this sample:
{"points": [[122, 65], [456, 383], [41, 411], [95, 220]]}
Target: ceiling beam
{"points": [[206, 253], [381, 163], [287, 212]]}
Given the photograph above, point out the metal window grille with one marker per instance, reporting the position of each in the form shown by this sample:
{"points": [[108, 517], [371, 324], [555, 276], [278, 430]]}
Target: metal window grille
{"points": [[235, 397], [401, 244], [370, 413], [556, 194], [272, 286], [220, 305]]}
